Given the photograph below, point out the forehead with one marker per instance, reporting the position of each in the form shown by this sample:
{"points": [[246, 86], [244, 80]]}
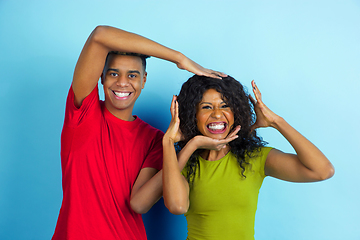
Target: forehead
{"points": [[124, 63], [211, 95]]}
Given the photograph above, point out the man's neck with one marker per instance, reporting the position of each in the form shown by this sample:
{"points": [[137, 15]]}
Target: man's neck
{"points": [[125, 114]]}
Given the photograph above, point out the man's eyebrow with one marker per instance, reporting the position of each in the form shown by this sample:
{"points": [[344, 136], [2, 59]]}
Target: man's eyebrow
{"points": [[134, 71], [117, 70], [113, 69]]}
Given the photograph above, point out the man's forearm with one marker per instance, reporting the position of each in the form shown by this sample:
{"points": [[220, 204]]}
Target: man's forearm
{"points": [[115, 39]]}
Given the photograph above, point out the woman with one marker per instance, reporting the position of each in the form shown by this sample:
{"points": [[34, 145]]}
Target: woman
{"points": [[213, 124]]}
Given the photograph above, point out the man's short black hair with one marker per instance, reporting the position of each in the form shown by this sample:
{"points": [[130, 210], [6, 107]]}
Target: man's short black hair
{"points": [[143, 57]]}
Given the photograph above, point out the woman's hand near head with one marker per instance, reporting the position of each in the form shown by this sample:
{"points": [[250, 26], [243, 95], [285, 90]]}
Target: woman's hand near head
{"points": [[191, 66], [309, 164], [173, 132], [264, 116], [175, 186]]}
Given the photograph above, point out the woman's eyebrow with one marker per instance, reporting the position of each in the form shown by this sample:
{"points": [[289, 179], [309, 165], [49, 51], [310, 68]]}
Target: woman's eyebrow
{"points": [[205, 103], [223, 102]]}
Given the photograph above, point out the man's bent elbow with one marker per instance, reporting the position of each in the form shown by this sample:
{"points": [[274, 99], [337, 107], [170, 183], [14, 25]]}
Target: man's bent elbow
{"points": [[98, 33]]}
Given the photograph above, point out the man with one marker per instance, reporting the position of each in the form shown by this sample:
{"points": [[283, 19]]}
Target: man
{"points": [[110, 158]]}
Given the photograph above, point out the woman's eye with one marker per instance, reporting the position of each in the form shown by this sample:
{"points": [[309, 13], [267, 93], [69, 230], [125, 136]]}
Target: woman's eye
{"points": [[205, 107], [224, 106]]}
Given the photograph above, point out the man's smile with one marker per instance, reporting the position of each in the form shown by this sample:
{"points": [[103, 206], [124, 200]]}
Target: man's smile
{"points": [[121, 95]]}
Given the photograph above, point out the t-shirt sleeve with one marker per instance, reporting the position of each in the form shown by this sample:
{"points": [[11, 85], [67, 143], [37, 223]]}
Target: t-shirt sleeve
{"points": [[154, 159], [73, 115], [263, 155], [184, 172]]}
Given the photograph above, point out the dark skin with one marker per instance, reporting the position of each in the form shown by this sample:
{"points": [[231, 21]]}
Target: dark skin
{"points": [[309, 164], [123, 81]]}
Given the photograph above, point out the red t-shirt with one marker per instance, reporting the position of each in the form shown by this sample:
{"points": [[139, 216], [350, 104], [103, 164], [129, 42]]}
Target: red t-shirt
{"points": [[101, 157]]}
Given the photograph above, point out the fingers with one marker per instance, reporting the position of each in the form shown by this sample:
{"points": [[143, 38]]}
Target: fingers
{"points": [[232, 136], [197, 69], [229, 139], [214, 74], [256, 91], [219, 74], [173, 129], [234, 132], [173, 106], [176, 108]]}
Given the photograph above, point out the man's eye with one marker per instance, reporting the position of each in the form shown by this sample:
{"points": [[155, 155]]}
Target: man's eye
{"points": [[132, 76], [113, 74]]}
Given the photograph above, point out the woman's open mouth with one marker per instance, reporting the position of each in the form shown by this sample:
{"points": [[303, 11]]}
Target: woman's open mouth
{"points": [[217, 127]]}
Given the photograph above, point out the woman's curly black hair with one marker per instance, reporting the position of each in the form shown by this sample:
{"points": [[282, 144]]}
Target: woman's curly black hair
{"points": [[234, 95]]}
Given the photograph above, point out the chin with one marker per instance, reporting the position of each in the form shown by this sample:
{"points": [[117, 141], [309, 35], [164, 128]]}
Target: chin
{"points": [[217, 136]]}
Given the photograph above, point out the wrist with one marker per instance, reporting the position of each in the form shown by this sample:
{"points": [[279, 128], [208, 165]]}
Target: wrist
{"points": [[168, 140], [179, 58], [195, 142], [190, 147], [278, 122]]}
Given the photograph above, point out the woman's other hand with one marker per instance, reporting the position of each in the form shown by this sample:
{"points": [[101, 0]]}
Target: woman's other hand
{"points": [[264, 116], [173, 132]]}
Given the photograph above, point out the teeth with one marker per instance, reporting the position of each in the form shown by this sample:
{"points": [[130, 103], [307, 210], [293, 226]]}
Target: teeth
{"points": [[216, 126], [122, 94]]}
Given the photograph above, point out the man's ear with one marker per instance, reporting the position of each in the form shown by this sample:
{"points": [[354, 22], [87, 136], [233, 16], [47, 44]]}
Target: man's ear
{"points": [[144, 80]]}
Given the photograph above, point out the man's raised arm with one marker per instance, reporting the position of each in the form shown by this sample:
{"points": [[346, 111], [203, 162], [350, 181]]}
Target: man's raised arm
{"points": [[104, 39]]}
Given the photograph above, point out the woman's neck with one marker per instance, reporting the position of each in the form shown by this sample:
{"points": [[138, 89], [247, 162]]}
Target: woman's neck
{"points": [[213, 155]]}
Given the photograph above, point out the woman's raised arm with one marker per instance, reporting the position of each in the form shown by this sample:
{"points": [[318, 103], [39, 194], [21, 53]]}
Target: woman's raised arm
{"points": [[175, 186], [309, 164]]}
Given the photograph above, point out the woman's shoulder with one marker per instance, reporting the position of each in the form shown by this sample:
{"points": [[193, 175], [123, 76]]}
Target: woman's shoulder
{"points": [[259, 152], [257, 158]]}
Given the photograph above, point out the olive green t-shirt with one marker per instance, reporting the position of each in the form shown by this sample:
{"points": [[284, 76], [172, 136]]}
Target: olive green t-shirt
{"points": [[222, 202]]}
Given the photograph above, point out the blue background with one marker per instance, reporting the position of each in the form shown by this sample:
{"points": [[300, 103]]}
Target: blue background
{"points": [[304, 56]]}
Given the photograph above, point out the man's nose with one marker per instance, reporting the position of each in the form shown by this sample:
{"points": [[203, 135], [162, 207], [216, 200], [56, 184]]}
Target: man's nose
{"points": [[122, 81]]}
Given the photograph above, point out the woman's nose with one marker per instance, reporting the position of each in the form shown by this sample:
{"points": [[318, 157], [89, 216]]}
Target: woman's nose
{"points": [[216, 113]]}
